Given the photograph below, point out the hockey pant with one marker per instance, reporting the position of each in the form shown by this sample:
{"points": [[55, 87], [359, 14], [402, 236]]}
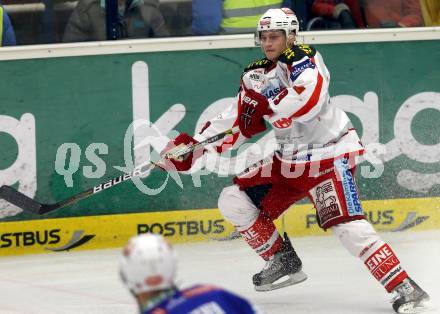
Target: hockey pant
{"points": [[355, 233]]}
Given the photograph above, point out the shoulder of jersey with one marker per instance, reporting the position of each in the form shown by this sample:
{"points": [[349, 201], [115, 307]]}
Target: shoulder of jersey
{"points": [[296, 53], [197, 290], [258, 64]]}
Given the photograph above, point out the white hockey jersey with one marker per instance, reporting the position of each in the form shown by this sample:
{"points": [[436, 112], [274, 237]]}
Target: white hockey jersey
{"points": [[307, 126]]}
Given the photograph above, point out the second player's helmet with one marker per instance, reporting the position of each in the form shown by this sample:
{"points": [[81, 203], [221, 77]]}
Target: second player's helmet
{"points": [[148, 263], [282, 19]]}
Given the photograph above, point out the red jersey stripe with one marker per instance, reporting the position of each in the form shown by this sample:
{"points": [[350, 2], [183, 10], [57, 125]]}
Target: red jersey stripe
{"points": [[313, 100]]}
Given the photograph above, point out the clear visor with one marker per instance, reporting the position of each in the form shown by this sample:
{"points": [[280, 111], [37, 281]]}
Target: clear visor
{"points": [[257, 40], [257, 34]]}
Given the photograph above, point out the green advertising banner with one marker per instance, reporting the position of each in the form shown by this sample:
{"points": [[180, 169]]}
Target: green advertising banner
{"points": [[64, 122]]}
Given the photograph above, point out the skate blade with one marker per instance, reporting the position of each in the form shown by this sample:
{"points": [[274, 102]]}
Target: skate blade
{"points": [[292, 279], [414, 307]]}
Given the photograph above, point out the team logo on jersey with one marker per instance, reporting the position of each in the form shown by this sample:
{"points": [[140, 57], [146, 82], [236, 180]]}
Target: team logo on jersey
{"points": [[289, 53], [282, 123], [256, 77], [300, 68], [306, 48]]}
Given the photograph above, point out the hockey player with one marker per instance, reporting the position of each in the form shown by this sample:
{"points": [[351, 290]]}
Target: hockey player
{"points": [[315, 158], [148, 268]]}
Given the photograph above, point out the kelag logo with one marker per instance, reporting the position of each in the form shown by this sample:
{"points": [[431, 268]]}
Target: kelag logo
{"points": [[191, 227], [43, 238]]}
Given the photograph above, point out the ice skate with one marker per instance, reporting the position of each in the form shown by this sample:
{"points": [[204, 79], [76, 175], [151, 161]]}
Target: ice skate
{"points": [[283, 269], [410, 298]]}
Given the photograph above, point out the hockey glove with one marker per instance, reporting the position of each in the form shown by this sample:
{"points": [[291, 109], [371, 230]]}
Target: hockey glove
{"points": [[252, 109], [182, 163]]}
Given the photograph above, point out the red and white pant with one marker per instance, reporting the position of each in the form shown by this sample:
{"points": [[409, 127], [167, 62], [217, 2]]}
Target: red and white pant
{"points": [[262, 195]]}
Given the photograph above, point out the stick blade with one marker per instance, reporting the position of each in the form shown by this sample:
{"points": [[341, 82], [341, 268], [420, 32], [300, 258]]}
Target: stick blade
{"points": [[20, 200]]}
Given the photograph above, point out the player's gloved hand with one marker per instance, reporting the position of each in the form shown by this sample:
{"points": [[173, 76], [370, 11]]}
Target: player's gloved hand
{"points": [[252, 109], [182, 163]]}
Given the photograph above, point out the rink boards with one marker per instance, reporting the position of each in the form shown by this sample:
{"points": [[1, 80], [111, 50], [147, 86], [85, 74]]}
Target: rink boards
{"points": [[111, 231], [66, 126], [73, 130]]}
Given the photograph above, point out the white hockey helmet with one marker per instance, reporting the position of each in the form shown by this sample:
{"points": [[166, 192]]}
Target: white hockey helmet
{"points": [[148, 264], [273, 19]]}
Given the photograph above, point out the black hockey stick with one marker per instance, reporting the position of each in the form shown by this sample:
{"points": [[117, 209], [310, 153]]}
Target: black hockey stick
{"points": [[26, 203]]}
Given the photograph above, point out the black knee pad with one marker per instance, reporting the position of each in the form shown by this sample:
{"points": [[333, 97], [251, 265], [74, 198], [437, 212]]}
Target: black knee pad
{"points": [[257, 193]]}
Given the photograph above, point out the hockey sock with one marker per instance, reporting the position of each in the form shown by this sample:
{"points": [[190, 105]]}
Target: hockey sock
{"points": [[263, 237], [383, 264]]}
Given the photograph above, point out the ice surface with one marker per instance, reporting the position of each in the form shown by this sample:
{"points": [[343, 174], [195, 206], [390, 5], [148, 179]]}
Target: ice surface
{"points": [[88, 281]]}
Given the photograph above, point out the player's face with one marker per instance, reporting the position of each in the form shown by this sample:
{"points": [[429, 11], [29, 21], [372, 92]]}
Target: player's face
{"points": [[273, 43]]}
